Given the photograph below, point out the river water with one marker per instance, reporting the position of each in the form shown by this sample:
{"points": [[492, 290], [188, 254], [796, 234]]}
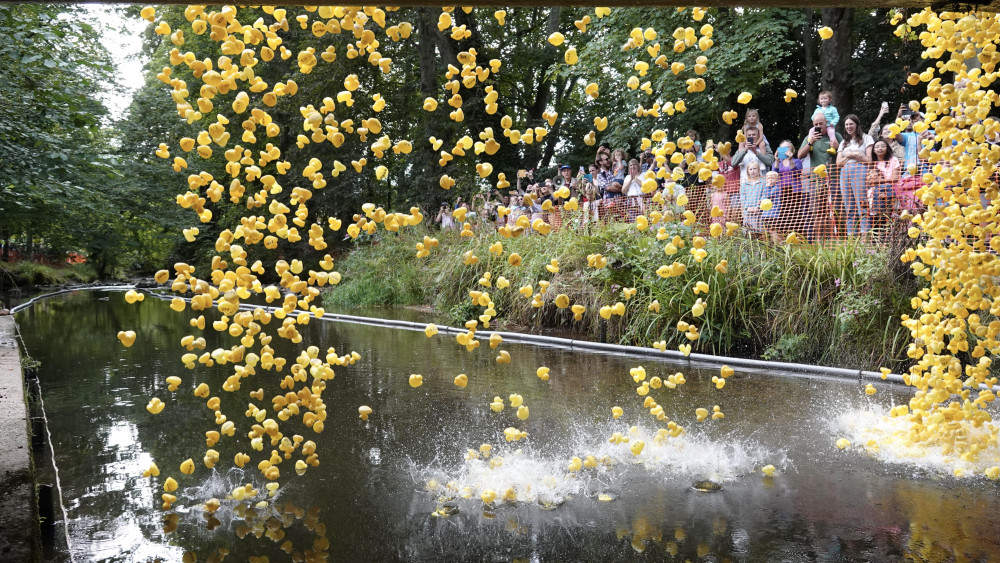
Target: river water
{"points": [[393, 488]]}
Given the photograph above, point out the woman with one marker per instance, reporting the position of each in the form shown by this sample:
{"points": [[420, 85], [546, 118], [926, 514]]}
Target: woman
{"points": [[608, 187], [852, 156], [789, 169], [444, 217], [885, 171], [632, 187]]}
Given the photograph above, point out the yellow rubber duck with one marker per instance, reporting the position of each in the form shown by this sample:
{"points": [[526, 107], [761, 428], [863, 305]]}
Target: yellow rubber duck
{"points": [[364, 411], [636, 447], [416, 380], [461, 380], [127, 338], [575, 464], [155, 406]]}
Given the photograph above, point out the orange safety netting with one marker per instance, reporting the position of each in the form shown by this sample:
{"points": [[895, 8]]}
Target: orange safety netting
{"points": [[854, 199]]}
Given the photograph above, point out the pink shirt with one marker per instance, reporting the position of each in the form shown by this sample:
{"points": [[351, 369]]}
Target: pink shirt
{"points": [[888, 167]]}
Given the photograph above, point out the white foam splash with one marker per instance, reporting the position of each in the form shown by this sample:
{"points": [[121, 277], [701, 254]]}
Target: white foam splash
{"points": [[885, 438], [544, 477]]}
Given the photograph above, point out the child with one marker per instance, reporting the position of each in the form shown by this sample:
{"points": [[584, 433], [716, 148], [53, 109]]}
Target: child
{"points": [[772, 191], [718, 198], [832, 117], [751, 192], [751, 122], [619, 166], [693, 135]]}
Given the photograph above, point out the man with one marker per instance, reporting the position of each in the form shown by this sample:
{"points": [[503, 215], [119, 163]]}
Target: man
{"points": [[749, 155], [565, 178], [815, 189], [911, 141]]}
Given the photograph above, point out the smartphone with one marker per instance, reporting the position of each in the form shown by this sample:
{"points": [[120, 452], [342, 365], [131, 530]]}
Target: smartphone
{"points": [[589, 177], [907, 113], [817, 130], [522, 173], [885, 106]]}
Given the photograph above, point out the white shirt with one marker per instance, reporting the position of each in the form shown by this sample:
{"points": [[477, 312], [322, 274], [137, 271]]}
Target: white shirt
{"points": [[634, 188], [850, 144]]}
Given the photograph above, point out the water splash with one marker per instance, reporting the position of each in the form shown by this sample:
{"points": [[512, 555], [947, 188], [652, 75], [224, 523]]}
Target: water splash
{"points": [[512, 473], [890, 439]]}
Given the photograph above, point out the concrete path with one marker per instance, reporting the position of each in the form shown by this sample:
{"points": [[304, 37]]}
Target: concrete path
{"points": [[18, 519]]}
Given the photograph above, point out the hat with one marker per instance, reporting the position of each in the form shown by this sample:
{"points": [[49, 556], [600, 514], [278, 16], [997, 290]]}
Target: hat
{"points": [[565, 167]]}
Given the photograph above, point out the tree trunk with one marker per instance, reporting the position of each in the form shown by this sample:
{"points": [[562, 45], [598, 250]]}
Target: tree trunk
{"points": [[835, 58], [809, 44], [562, 90], [543, 89], [425, 50]]}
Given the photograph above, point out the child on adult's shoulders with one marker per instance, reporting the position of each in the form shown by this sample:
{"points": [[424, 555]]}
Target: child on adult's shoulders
{"points": [[832, 118]]}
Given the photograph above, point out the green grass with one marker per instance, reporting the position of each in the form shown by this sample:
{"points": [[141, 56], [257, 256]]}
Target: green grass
{"points": [[29, 274], [836, 304]]}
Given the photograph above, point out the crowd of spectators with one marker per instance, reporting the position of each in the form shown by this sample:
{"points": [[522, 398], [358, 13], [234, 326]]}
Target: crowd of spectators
{"points": [[837, 181]]}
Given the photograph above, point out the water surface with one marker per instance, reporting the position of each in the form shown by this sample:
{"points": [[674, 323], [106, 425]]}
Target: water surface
{"points": [[379, 484]]}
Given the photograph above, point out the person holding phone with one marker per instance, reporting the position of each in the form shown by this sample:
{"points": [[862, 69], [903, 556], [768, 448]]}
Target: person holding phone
{"points": [[912, 141], [751, 153], [815, 189], [875, 128]]}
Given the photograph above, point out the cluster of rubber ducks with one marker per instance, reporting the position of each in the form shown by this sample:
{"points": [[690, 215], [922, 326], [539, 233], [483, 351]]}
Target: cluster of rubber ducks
{"points": [[954, 254], [951, 313]]}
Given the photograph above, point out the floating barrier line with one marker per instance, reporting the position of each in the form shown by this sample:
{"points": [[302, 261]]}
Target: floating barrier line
{"points": [[797, 370], [793, 369], [36, 298], [52, 453]]}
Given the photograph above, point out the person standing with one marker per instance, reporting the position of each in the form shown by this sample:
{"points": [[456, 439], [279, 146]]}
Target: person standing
{"points": [[815, 186], [789, 169], [852, 159]]}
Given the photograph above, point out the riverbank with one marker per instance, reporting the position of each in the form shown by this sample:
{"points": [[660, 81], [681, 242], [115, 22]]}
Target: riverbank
{"points": [[23, 277], [19, 532], [836, 304]]}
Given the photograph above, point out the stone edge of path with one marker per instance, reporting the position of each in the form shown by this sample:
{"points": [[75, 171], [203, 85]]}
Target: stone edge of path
{"points": [[19, 528]]}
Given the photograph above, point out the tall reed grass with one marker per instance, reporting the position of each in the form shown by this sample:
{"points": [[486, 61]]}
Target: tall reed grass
{"points": [[836, 303]]}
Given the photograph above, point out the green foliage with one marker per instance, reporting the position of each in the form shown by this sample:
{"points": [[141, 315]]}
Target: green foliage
{"points": [[63, 183], [379, 275], [837, 304]]}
